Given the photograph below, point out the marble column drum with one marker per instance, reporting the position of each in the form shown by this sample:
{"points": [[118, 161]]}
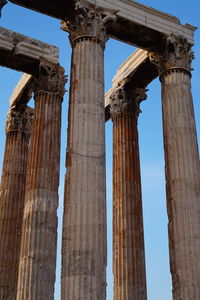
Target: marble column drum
{"points": [[39, 229], [84, 223], [12, 190], [128, 237], [182, 169]]}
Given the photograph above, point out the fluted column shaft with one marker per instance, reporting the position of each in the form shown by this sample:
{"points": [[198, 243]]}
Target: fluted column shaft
{"points": [[84, 223], [12, 191], [128, 236], [182, 183], [182, 169], [39, 228]]}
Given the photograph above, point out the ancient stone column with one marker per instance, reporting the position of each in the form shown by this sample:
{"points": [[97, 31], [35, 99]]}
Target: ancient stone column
{"points": [[181, 167], [128, 236], [12, 189], [39, 229], [84, 224]]}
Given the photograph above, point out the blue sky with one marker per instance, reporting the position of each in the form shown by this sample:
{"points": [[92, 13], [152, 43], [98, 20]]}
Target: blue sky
{"points": [[150, 131]]}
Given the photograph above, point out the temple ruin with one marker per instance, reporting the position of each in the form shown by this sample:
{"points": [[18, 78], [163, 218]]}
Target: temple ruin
{"points": [[30, 175]]}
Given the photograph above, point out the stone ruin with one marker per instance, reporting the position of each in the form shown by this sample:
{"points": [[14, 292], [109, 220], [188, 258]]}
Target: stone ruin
{"points": [[30, 175]]}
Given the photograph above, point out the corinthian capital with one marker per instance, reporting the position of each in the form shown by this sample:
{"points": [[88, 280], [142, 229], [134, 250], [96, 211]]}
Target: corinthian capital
{"points": [[50, 79], [89, 22], [20, 119], [126, 102], [176, 53]]}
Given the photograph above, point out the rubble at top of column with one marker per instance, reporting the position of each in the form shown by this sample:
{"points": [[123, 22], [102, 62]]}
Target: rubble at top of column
{"points": [[175, 53], [88, 21], [51, 79], [23, 53]]}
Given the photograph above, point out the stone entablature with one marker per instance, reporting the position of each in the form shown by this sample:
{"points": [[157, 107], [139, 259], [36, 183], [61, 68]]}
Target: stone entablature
{"points": [[22, 93], [131, 17], [23, 53], [129, 66], [130, 70], [154, 19], [130, 74]]}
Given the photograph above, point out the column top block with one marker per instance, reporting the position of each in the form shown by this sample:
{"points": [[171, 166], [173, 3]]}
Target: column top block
{"points": [[132, 17], [23, 53]]}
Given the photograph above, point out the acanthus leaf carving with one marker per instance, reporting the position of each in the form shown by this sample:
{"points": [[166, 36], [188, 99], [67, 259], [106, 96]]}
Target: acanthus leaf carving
{"points": [[119, 103], [126, 102], [20, 119], [176, 53], [50, 79], [89, 22]]}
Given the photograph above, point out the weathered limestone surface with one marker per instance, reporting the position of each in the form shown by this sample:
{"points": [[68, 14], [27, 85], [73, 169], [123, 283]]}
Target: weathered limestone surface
{"points": [[182, 168], [23, 53], [84, 223], [39, 227], [12, 189], [128, 237]]}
